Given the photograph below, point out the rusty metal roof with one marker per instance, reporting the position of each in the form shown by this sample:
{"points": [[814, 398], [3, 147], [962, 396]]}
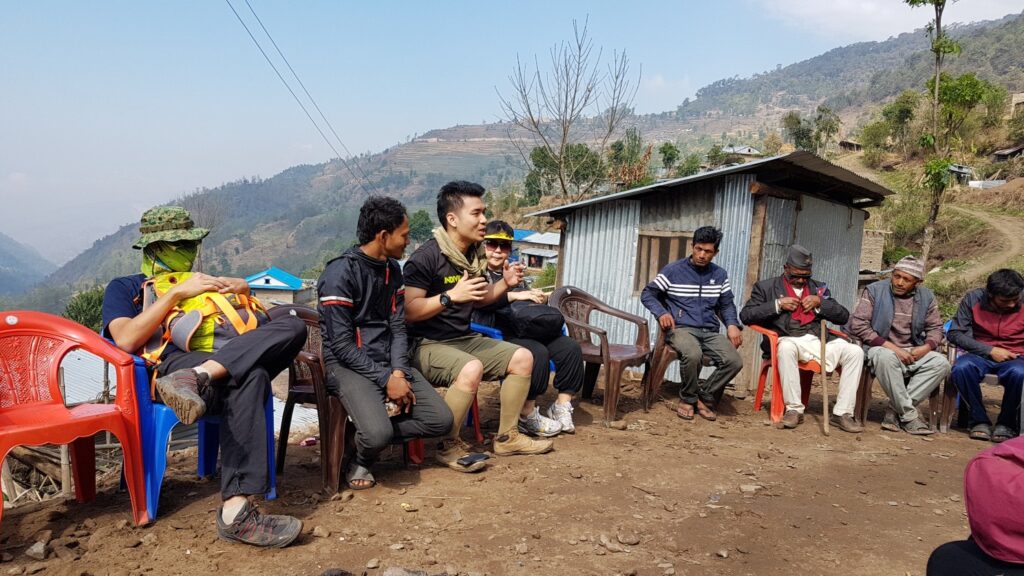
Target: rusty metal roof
{"points": [[800, 170]]}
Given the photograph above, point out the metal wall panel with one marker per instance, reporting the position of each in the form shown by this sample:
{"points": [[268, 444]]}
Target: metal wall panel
{"points": [[833, 233], [734, 206], [682, 209], [779, 227]]}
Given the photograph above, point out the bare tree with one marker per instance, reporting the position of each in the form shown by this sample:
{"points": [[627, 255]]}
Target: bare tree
{"points": [[576, 101]]}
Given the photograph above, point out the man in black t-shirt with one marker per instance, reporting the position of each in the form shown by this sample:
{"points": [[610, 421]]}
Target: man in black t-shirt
{"points": [[444, 281], [234, 379]]}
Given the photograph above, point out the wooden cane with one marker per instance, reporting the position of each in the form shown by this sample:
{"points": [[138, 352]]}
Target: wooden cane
{"points": [[824, 378]]}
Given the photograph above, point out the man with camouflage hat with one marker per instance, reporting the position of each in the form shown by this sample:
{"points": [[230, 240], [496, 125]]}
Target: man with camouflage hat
{"points": [[234, 380], [897, 320]]}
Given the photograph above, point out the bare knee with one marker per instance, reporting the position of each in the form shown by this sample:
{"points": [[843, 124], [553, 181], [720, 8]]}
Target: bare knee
{"points": [[521, 363], [469, 376]]}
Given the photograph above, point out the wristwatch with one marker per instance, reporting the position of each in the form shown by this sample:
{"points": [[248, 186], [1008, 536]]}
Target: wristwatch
{"points": [[446, 300]]}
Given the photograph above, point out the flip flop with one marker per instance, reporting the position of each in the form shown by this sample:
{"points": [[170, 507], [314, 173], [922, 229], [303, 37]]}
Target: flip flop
{"points": [[684, 415], [356, 472], [705, 412]]}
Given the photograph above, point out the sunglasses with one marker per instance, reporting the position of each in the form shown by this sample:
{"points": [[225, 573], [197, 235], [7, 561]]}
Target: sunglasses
{"points": [[498, 244], [799, 276]]}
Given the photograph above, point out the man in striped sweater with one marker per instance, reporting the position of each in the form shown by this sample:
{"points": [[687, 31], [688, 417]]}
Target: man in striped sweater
{"points": [[688, 297]]}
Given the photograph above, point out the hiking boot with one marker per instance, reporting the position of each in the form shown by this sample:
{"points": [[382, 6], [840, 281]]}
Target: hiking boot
{"points": [[889, 421], [515, 443], [846, 423], [792, 419], [539, 425], [917, 427], [263, 530], [449, 450], [181, 391], [562, 413]]}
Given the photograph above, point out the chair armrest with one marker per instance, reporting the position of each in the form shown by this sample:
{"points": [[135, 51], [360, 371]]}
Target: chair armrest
{"points": [[643, 335], [486, 331], [601, 333]]}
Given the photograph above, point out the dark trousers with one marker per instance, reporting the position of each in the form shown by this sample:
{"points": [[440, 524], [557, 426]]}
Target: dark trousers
{"points": [[965, 558], [568, 359], [364, 402], [252, 360], [968, 372], [692, 344]]}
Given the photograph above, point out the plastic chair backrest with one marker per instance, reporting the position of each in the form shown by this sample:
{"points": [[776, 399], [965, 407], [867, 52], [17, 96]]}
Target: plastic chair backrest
{"points": [[32, 345]]}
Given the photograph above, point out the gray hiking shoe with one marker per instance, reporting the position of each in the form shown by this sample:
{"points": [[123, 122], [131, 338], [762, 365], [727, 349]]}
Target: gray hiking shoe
{"points": [[562, 413], [846, 423], [539, 425], [917, 427], [516, 443], [890, 422], [182, 391], [791, 419]]}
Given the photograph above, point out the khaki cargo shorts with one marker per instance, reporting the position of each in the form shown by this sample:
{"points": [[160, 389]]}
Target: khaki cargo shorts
{"points": [[440, 361]]}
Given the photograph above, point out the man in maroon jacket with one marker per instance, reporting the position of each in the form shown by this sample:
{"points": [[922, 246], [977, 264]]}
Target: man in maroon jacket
{"points": [[989, 327]]}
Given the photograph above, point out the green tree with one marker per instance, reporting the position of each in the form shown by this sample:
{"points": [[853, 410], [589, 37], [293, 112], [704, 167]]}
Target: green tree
{"points": [[628, 160], [669, 155], [936, 178], [799, 130], [958, 97], [899, 114], [420, 226], [994, 100], [1015, 127], [86, 308], [826, 126], [876, 134], [579, 166], [715, 156], [690, 165], [941, 45]]}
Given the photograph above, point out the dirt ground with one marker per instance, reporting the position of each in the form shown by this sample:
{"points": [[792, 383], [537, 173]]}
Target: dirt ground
{"points": [[663, 496]]}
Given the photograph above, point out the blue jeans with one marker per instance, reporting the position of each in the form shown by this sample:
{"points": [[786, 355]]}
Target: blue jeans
{"points": [[970, 370]]}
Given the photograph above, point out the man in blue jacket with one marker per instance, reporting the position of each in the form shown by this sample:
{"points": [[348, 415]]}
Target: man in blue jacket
{"points": [[688, 297]]}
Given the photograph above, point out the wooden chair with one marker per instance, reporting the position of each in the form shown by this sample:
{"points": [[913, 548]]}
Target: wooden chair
{"points": [[307, 384], [577, 307]]}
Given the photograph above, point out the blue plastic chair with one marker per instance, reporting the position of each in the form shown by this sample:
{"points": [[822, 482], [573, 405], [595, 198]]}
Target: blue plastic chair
{"points": [[157, 421]]}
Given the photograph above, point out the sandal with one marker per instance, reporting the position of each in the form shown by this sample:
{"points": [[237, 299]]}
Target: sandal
{"points": [[981, 432], [685, 411], [359, 477], [1002, 433], [706, 412]]}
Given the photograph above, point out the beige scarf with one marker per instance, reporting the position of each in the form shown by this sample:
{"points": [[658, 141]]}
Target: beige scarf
{"points": [[475, 264]]}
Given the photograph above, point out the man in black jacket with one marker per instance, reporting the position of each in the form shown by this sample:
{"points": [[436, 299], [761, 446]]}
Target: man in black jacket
{"points": [[793, 305], [365, 347]]}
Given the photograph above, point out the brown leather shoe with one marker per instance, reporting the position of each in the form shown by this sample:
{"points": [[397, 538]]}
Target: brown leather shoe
{"points": [[791, 419], [847, 423]]}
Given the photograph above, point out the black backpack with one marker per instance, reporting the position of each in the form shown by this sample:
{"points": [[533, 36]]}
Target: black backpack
{"points": [[537, 321]]}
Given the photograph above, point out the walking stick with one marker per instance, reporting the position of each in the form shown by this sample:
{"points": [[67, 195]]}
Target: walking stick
{"points": [[824, 378]]}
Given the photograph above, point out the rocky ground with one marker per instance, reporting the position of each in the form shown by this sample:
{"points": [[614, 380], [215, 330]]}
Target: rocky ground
{"points": [[662, 496]]}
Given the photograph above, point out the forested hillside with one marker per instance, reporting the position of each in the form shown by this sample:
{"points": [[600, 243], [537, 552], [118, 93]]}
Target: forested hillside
{"points": [[20, 266]]}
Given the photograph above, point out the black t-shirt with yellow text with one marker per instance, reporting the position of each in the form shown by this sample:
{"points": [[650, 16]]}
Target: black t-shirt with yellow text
{"points": [[428, 269]]}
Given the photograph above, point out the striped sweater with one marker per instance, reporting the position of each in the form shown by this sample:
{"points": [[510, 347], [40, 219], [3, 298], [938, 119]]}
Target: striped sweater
{"points": [[695, 297]]}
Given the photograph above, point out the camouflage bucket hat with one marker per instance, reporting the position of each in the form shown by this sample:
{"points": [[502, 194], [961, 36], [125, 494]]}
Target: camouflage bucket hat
{"points": [[167, 224]]}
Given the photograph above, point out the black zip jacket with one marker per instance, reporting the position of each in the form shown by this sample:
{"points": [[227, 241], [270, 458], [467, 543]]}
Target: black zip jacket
{"points": [[362, 315]]}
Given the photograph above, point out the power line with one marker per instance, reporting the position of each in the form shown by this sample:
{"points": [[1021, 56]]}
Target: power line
{"points": [[298, 101], [308, 95]]}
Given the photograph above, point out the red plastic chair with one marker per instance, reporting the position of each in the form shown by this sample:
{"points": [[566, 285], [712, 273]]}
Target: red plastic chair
{"points": [[32, 411], [807, 372]]}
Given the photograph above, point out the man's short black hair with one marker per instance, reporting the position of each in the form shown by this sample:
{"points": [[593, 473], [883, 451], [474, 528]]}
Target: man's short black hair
{"points": [[449, 199], [1005, 282], [496, 226], [379, 213], [707, 235]]}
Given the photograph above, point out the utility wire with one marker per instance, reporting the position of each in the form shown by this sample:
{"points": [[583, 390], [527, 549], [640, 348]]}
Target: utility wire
{"points": [[308, 95], [297, 100]]}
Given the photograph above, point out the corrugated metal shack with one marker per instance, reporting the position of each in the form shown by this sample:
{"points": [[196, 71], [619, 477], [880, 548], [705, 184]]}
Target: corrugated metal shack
{"points": [[613, 245]]}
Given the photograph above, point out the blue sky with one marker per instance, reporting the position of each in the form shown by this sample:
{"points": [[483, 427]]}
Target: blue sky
{"points": [[107, 108]]}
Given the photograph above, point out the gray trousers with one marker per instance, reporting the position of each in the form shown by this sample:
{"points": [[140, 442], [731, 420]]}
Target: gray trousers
{"points": [[907, 385], [691, 344], [364, 402]]}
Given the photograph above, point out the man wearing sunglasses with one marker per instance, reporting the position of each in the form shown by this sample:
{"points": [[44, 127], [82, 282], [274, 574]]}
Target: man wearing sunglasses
{"points": [[793, 305]]}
